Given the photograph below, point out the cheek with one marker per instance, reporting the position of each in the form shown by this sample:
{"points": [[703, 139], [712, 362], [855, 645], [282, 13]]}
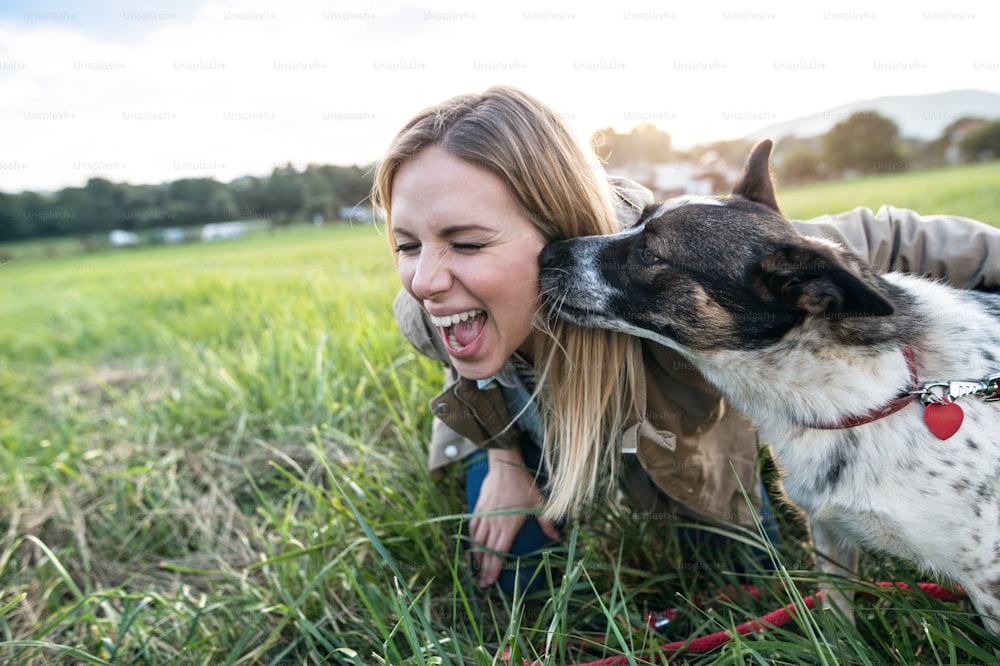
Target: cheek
{"points": [[405, 271], [523, 280], [528, 302]]}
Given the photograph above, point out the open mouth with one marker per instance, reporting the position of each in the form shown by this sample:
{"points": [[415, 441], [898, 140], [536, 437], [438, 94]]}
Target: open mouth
{"points": [[462, 328]]}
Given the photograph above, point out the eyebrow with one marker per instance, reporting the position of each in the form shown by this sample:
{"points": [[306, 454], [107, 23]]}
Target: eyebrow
{"points": [[462, 228], [448, 232]]}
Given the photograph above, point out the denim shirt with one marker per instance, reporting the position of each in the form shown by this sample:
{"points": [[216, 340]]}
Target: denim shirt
{"points": [[516, 381]]}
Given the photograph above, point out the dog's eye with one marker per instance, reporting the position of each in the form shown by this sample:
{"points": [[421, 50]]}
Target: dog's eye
{"points": [[647, 256]]}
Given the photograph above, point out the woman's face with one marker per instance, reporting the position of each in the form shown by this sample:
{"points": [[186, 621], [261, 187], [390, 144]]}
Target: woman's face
{"points": [[469, 255]]}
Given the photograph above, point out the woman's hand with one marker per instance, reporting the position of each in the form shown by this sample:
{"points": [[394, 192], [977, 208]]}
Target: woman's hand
{"points": [[508, 485]]}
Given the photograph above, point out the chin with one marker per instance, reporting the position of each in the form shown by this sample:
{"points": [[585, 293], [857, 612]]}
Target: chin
{"points": [[476, 370]]}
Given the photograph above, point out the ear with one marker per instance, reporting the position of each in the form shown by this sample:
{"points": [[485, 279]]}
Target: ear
{"points": [[813, 280], [755, 184]]}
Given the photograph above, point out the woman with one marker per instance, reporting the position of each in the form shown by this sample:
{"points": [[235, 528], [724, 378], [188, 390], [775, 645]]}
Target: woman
{"points": [[472, 189]]}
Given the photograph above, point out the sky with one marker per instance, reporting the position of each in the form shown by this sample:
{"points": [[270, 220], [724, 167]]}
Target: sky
{"points": [[154, 91]]}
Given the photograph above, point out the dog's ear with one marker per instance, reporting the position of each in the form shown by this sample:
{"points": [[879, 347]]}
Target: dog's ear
{"points": [[814, 280], [756, 184]]}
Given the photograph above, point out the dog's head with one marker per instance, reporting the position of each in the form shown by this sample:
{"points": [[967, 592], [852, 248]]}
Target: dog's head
{"points": [[709, 272]]}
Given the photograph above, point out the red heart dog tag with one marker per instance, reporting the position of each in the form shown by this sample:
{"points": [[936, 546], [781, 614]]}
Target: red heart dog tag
{"points": [[943, 418]]}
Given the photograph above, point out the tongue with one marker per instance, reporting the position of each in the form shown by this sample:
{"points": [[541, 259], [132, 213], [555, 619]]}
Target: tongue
{"points": [[467, 331]]}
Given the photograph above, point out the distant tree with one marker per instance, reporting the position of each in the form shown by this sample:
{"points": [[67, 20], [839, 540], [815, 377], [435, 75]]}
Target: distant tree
{"points": [[42, 217], [95, 207], [221, 204], [80, 210], [644, 143], [729, 151], [955, 124], [866, 142], [318, 196], [800, 166], [330, 187], [285, 191], [285, 195], [798, 159], [147, 207], [351, 184], [983, 143], [13, 226], [943, 149], [107, 200], [250, 194], [199, 201]]}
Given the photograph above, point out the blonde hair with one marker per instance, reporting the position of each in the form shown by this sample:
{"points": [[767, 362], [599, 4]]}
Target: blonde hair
{"points": [[586, 376]]}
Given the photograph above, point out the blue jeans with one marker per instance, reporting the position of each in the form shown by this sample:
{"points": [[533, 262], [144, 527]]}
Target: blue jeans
{"points": [[525, 553]]}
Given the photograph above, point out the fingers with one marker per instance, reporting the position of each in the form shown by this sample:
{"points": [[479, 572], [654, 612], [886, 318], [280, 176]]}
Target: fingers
{"points": [[549, 528], [496, 535], [490, 567], [504, 489]]}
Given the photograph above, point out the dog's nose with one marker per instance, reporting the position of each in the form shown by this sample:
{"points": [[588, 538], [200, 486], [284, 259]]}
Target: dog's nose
{"points": [[551, 253]]}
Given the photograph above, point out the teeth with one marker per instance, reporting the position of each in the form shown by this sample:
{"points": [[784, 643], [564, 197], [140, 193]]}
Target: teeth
{"points": [[451, 320]]}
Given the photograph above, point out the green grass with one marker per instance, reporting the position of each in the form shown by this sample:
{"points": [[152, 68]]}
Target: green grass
{"points": [[215, 454], [970, 191]]}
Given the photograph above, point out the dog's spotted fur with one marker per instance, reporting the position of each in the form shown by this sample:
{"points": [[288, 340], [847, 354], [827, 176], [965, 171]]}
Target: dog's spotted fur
{"points": [[796, 332]]}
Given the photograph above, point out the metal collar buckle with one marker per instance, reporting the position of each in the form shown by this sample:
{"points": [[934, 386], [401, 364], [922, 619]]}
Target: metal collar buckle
{"points": [[948, 391]]}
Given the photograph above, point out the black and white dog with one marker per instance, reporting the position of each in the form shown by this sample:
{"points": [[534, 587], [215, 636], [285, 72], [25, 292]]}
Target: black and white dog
{"points": [[877, 394]]}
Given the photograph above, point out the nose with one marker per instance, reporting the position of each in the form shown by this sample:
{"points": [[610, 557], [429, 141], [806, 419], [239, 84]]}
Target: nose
{"points": [[432, 276], [554, 254]]}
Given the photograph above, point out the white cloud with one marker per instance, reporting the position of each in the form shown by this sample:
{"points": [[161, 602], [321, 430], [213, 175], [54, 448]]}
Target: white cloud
{"points": [[224, 89]]}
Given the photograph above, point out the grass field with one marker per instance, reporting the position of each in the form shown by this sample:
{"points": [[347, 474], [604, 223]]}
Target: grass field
{"points": [[215, 454], [971, 191]]}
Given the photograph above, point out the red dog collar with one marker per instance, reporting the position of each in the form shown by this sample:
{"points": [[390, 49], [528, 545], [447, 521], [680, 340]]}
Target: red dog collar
{"points": [[890, 407]]}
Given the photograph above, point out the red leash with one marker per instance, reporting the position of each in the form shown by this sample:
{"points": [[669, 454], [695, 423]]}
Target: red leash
{"points": [[771, 620]]}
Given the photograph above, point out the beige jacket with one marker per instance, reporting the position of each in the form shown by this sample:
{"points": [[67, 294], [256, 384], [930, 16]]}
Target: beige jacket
{"points": [[691, 441]]}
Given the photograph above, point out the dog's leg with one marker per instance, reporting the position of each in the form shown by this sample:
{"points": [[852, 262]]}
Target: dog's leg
{"points": [[835, 558], [984, 596]]}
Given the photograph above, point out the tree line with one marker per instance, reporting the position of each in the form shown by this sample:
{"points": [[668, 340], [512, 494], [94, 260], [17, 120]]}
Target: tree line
{"points": [[866, 142], [286, 195]]}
